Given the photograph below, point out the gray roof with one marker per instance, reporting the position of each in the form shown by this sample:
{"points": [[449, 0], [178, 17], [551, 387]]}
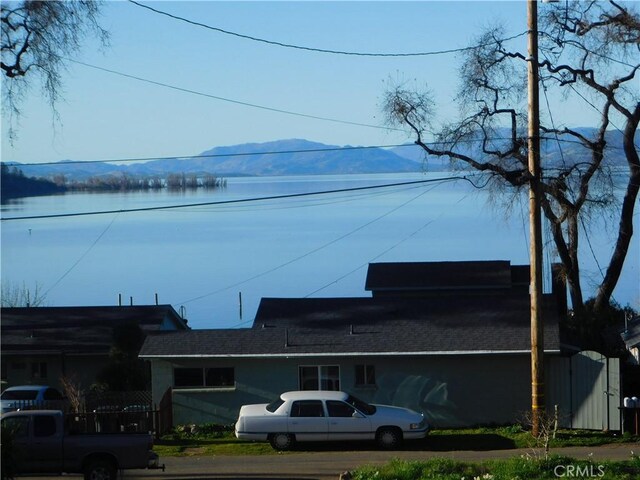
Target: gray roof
{"points": [[467, 275], [78, 329], [369, 326]]}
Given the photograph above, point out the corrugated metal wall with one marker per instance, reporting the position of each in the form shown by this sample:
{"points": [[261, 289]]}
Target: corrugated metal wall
{"points": [[586, 388]]}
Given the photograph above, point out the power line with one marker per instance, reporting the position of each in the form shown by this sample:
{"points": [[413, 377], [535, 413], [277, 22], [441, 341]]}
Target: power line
{"points": [[320, 50], [281, 152], [229, 100], [75, 264], [223, 155], [236, 201], [306, 254]]}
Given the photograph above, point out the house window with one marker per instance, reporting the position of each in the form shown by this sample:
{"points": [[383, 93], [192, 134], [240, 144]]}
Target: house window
{"points": [[319, 377], [365, 375], [38, 370], [203, 377], [219, 377]]}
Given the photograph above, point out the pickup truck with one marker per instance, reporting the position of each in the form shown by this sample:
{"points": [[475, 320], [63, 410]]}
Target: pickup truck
{"points": [[40, 444]]}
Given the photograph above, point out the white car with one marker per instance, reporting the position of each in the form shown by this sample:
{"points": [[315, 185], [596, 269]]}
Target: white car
{"points": [[327, 415]]}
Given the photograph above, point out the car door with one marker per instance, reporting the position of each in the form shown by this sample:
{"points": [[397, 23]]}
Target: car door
{"points": [[307, 420], [347, 423], [45, 449], [18, 427]]}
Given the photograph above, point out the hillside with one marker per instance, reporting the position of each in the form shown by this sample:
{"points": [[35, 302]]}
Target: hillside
{"points": [[292, 157], [303, 157]]}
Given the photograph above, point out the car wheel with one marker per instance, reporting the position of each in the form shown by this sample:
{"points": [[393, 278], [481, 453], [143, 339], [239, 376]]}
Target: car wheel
{"points": [[281, 441], [100, 469], [389, 438]]}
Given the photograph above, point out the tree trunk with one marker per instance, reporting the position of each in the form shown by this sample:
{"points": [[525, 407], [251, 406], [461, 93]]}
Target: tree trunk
{"points": [[625, 229]]}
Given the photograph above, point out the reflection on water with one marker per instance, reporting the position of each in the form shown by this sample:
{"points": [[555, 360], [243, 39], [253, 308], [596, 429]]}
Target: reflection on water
{"points": [[202, 257]]}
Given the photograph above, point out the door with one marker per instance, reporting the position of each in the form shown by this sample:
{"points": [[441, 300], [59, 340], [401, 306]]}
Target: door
{"points": [[307, 420], [346, 423], [18, 426], [45, 450]]}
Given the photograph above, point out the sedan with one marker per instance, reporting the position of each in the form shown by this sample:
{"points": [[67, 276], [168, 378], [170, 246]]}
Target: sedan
{"points": [[325, 416]]}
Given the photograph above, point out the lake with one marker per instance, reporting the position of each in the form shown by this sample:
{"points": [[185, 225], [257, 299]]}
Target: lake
{"points": [[203, 257]]}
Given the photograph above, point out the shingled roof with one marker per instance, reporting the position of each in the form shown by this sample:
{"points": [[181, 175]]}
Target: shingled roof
{"points": [[425, 276], [369, 326], [78, 329]]}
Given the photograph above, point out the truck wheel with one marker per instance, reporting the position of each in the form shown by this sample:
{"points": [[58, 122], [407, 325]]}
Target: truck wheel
{"points": [[100, 469], [389, 438], [281, 441]]}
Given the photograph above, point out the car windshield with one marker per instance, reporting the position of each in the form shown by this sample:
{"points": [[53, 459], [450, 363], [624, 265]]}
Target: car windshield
{"points": [[19, 395], [364, 407], [275, 405]]}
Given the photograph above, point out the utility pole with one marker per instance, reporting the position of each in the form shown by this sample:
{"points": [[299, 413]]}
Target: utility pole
{"points": [[535, 224]]}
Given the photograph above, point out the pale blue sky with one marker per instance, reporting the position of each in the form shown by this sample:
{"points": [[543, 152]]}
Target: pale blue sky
{"points": [[105, 116]]}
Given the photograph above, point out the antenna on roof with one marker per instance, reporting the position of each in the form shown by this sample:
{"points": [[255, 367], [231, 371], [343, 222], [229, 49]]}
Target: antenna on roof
{"points": [[156, 299], [119, 299]]}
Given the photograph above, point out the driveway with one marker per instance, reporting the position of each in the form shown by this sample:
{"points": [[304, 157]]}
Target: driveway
{"points": [[323, 465]]}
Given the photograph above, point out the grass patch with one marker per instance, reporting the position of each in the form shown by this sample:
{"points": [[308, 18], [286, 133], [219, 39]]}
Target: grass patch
{"points": [[501, 438], [221, 441], [224, 443], [523, 468]]}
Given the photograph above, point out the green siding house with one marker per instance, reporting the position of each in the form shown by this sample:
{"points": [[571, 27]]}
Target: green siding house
{"points": [[450, 339]]}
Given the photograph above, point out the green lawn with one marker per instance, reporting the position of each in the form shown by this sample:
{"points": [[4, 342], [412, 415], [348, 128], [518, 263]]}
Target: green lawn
{"points": [[503, 438], [523, 468]]}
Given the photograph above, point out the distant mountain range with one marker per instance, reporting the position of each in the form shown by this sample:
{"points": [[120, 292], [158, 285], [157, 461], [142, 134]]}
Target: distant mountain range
{"points": [[297, 157]]}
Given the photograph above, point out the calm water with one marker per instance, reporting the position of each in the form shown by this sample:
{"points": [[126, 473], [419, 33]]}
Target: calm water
{"points": [[203, 257]]}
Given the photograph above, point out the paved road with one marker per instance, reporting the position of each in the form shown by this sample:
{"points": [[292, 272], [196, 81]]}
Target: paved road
{"points": [[328, 465]]}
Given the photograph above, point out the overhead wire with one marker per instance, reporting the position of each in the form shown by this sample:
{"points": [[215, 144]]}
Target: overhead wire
{"points": [[319, 50], [229, 100], [277, 152], [228, 202], [310, 252], [86, 252]]}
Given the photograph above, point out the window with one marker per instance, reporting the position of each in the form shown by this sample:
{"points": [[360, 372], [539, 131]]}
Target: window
{"points": [[188, 377], [339, 409], [275, 405], [219, 377], [307, 408], [44, 426], [203, 377], [365, 375], [321, 377], [52, 394], [18, 426], [39, 370]]}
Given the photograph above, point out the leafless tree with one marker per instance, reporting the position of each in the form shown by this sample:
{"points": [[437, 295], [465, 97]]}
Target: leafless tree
{"points": [[72, 391], [37, 38], [14, 295], [588, 51]]}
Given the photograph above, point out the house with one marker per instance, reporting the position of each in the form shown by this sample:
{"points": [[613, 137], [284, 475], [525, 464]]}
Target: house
{"points": [[631, 338], [42, 344], [451, 339]]}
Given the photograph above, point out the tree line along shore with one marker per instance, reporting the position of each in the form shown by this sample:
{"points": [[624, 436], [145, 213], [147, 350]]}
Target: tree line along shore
{"points": [[16, 185]]}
